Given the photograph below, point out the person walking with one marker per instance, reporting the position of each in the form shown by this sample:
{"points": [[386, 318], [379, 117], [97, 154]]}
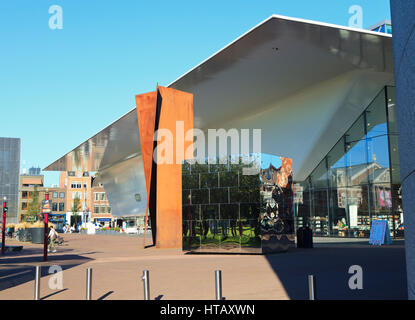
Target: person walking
{"points": [[53, 236]]}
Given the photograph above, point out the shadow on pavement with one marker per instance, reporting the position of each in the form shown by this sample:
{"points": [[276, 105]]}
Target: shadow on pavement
{"points": [[105, 295], [52, 294], [384, 271], [15, 271]]}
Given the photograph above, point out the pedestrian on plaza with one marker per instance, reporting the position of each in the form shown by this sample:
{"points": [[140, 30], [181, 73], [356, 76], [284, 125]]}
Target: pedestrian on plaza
{"points": [[53, 236]]}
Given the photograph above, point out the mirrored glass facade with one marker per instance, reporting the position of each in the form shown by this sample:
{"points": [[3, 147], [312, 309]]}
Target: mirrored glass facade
{"points": [[227, 210], [9, 175], [358, 180]]}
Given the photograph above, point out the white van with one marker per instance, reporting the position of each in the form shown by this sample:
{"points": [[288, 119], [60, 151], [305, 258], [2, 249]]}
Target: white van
{"points": [[131, 227]]}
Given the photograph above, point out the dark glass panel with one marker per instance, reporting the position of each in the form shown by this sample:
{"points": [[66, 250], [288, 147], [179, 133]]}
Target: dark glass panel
{"points": [[249, 211], [199, 167], [190, 181], [186, 196], [191, 212], [251, 181], [200, 196], [219, 195], [234, 195], [243, 195], [229, 211], [228, 179], [210, 211], [209, 180]]}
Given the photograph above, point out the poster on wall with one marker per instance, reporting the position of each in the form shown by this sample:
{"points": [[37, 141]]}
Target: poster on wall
{"points": [[353, 215], [385, 198]]}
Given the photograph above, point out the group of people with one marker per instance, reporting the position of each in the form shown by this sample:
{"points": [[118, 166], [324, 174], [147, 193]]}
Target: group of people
{"points": [[71, 229]]}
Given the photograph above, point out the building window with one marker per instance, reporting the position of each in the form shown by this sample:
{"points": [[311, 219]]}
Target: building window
{"points": [[85, 186], [109, 209], [61, 206], [99, 196], [61, 195], [54, 206], [25, 195], [71, 173], [96, 209], [76, 194], [24, 205], [355, 183], [54, 194], [102, 209], [76, 185]]}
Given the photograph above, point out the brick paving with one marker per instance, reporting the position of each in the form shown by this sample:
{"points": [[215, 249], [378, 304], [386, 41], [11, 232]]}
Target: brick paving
{"points": [[118, 262]]}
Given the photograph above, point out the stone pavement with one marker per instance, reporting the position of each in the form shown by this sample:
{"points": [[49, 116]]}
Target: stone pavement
{"points": [[118, 262]]}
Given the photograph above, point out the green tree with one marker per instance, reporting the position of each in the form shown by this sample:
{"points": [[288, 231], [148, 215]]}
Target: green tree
{"points": [[76, 205], [34, 206]]}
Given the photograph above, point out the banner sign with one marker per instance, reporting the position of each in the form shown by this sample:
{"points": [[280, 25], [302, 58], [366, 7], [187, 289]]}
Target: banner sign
{"points": [[380, 233], [46, 206]]}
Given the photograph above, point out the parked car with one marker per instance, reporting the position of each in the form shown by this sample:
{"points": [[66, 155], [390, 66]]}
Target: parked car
{"points": [[131, 230]]}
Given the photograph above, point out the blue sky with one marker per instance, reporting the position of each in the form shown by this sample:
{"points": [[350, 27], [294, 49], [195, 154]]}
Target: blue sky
{"points": [[59, 87]]}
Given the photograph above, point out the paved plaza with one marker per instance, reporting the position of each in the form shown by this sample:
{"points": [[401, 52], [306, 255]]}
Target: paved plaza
{"points": [[118, 262]]}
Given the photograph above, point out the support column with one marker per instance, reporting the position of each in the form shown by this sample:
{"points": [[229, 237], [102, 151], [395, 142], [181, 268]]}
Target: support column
{"points": [[403, 28]]}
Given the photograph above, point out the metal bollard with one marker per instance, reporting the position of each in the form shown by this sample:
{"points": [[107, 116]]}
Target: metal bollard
{"points": [[146, 281], [88, 283], [312, 287], [218, 282], [37, 282]]}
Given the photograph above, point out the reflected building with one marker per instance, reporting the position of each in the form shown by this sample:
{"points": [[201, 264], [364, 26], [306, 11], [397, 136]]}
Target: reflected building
{"points": [[359, 179], [9, 176]]}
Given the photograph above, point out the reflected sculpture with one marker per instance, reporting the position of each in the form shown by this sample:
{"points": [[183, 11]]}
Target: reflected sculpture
{"points": [[227, 211]]}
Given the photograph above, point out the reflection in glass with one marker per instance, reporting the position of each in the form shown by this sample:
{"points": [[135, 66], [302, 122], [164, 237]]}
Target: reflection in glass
{"points": [[239, 213], [359, 179]]}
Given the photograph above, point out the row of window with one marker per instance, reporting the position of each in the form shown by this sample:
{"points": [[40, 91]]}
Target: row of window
{"points": [[29, 194], [100, 196], [102, 209], [79, 174], [55, 206], [77, 185]]}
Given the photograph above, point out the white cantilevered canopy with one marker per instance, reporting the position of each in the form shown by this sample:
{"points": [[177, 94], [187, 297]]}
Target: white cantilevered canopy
{"points": [[302, 82]]}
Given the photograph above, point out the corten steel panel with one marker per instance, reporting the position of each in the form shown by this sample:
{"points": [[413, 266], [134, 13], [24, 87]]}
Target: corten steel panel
{"points": [[146, 116], [175, 106]]}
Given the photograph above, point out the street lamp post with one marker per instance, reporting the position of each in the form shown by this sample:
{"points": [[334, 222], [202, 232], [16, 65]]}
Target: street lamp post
{"points": [[3, 235], [45, 238]]}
